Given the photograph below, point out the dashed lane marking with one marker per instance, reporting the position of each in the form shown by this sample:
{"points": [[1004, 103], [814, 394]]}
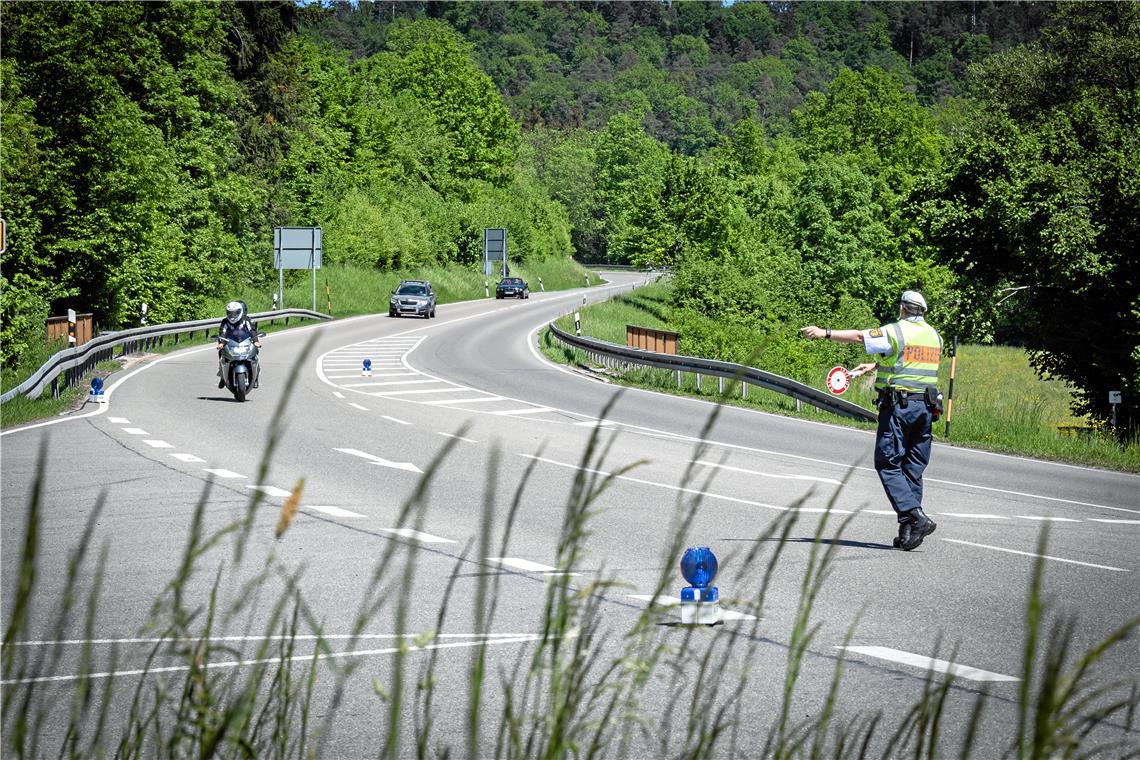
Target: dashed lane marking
{"points": [[1047, 519], [674, 601], [929, 663], [1117, 522], [271, 491], [135, 431], [338, 394], [520, 412], [416, 535], [970, 515], [454, 401], [187, 458], [458, 437], [358, 406], [395, 419], [294, 658], [156, 444], [381, 461], [1042, 556], [706, 463], [227, 474], [119, 420], [334, 511], [522, 564]]}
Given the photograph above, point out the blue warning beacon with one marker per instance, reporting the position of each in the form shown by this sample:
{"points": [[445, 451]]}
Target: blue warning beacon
{"points": [[700, 601], [366, 370], [96, 393]]}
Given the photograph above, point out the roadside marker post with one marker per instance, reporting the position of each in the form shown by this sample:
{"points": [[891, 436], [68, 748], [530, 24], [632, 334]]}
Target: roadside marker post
{"points": [[700, 602], [541, 286], [578, 324], [1115, 398], [71, 327], [950, 390], [366, 370]]}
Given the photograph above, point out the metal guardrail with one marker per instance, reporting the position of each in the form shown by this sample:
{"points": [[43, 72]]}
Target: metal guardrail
{"points": [[71, 364], [699, 366]]}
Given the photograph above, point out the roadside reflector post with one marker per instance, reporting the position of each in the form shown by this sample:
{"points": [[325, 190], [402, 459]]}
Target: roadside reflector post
{"points": [[744, 390], [678, 378], [366, 370], [486, 288], [698, 374], [143, 309], [700, 601], [578, 324], [950, 390], [71, 327], [541, 286], [274, 302], [720, 385], [587, 279]]}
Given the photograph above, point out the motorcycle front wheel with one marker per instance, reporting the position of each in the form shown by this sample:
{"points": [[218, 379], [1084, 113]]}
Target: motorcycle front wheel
{"points": [[241, 385]]}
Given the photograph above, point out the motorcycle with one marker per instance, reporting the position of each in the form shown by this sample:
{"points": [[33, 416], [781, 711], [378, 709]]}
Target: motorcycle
{"points": [[240, 368]]}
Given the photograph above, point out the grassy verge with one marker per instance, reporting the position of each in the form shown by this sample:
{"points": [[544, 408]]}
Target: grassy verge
{"points": [[1000, 403], [596, 679], [21, 410]]}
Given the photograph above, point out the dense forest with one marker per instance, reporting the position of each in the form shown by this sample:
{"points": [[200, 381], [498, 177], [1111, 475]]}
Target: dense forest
{"points": [[792, 162]]}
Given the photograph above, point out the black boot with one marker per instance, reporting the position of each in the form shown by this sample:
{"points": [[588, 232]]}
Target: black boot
{"points": [[917, 527], [221, 383]]}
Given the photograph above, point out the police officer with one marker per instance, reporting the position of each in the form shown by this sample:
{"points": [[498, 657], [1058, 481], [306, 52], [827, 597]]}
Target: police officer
{"points": [[908, 354]]}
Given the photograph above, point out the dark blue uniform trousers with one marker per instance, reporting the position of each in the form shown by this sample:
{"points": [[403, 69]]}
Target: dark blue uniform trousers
{"points": [[902, 451]]}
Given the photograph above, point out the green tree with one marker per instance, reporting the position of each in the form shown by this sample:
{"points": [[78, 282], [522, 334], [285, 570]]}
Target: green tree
{"points": [[1042, 192]]}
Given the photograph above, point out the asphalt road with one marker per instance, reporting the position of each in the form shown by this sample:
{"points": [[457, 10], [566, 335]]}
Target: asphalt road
{"points": [[467, 398]]}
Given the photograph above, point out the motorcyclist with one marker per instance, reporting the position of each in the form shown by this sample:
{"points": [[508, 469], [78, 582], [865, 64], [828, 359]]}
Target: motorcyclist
{"points": [[237, 326]]}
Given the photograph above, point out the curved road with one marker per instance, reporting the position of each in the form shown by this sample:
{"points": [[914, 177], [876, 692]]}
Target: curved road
{"points": [[472, 386]]}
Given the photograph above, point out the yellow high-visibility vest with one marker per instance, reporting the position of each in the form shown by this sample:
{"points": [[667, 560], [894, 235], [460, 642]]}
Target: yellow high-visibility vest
{"points": [[912, 364]]}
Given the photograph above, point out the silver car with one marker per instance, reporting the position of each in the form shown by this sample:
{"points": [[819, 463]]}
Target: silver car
{"points": [[413, 297]]}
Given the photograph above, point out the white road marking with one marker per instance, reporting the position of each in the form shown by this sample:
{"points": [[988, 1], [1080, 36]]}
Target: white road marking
{"points": [[1047, 519], [970, 514], [454, 401], [374, 375], [660, 601], [119, 420], [381, 461], [338, 394], [158, 444], [388, 382], [426, 538], [520, 412], [1043, 556], [294, 658], [135, 431], [890, 512], [223, 473], [271, 491], [458, 437], [358, 406], [706, 463], [415, 393], [594, 423], [395, 419], [1118, 522], [680, 489], [674, 601], [930, 663], [522, 564], [334, 511], [187, 458]]}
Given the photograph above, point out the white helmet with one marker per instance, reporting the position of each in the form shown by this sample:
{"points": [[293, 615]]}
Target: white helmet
{"points": [[912, 301], [235, 310]]}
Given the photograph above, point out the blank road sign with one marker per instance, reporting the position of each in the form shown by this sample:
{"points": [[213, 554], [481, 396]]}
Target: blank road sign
{"points": [[297, 248], [494, 244]]}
